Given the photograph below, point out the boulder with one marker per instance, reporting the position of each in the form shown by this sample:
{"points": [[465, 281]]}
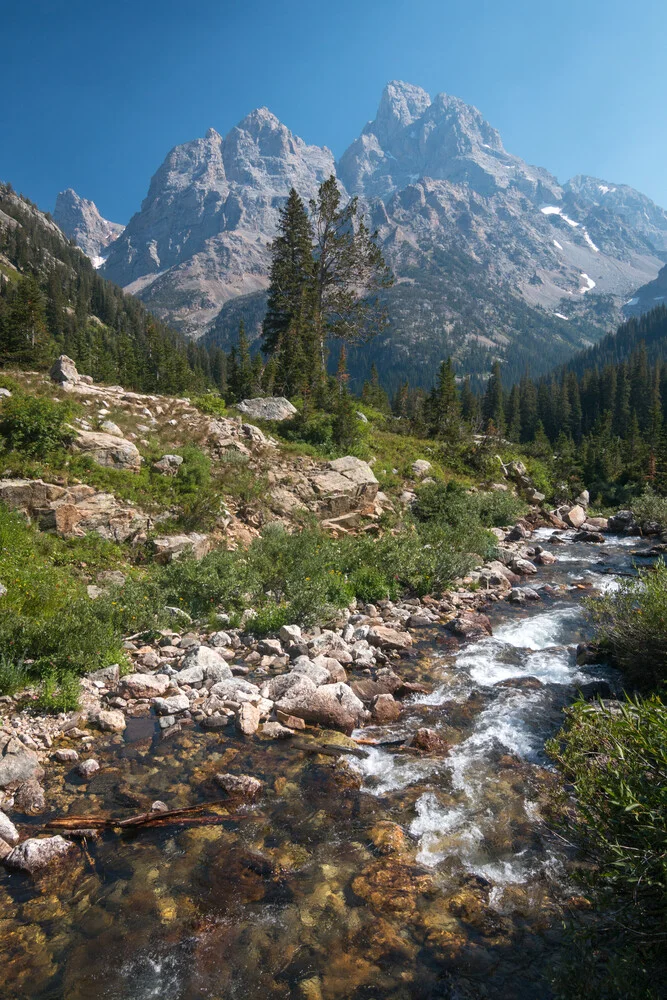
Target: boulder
{"points": [[108, 450], [235, 689], [292, 685], [524, 567], [270, 647], [623, 523], [290, 634], [583, 499], [469, 625], [64, 370], [87, 768], [276, 731], [575, 517], [247, 720], [317, 672], [171, 706], [108, 720], [389, 638], [8, 831], [545, 558], [109, 427], [595, 524], [35, 854], [144, 685], [171, 547], [384, 709], [209, 661], [17, 763], [268, 408], [420, 468], [168, 465], [430, 741], [29, 798], [331, 644], [289, 721], [334, 706], [586, 535], [65, 756]]}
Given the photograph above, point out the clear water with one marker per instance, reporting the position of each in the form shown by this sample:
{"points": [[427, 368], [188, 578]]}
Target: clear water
{"points": [[397, 876]]}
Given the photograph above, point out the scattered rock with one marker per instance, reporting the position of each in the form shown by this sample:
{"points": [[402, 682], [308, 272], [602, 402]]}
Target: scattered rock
{"points": [[8, 831], [64, 371], [109, 720], [242, 786], [420, 468], [247, 720], [87, 768], [144, 685], [384, 709], [334, 706], [168, 465], [35, 854], [430, 741], [389, 638], [65, 756], [171, 547], [470, 625]]}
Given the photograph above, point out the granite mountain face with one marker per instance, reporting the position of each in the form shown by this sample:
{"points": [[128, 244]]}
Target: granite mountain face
{"points": [[201, 236], [490, 253], [80, 220]]}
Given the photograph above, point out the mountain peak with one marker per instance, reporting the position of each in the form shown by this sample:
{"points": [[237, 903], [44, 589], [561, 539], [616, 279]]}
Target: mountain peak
{"points": [[80, 220], [400, 105], [259, 119]]}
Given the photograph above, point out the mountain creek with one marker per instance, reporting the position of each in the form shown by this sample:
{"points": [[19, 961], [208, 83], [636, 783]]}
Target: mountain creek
{"points": [[397, 874]]}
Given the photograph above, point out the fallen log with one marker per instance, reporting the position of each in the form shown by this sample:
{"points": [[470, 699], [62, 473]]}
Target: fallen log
{"points": [[186, 816]]}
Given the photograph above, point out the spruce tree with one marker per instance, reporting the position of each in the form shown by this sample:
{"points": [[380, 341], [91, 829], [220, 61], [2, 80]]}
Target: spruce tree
{"points": [[492, 404], [290, 276]]}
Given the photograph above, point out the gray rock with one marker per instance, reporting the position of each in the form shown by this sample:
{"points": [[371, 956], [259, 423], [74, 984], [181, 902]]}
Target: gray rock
{"points": [[168, 465], [108, 720], [317, 673], [268, 408], [108, 450], [575, 517], [109, 427], [247, 720], [334, 706], [171, 547], [172, 705], [87, 768], [8, 831], [65, 756], [35, 854], [144, 685], [290, 634], [17, 764], [205, 662], [235, 689], [64, 370], [80, 220], [420, 468]]}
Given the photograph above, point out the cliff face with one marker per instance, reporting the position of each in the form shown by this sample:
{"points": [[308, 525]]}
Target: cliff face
{"points": [[81, 221]]}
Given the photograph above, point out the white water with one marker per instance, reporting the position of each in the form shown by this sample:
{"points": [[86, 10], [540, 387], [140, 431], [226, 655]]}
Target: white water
{"points": [[465, 815]]}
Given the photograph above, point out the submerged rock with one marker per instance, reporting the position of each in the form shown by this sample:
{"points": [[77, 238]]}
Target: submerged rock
{"points": [[37, 853], [240, 785]]}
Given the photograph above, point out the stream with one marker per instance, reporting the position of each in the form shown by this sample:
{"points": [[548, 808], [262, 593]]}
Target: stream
{"points": [[398, 876]]}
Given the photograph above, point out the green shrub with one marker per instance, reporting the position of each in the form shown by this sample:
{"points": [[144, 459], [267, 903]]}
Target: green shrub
{"points": [[631, 625], [212, 404], [615, 759], [451, 504], [14, 674], [7, 382], [34, 425], [58, 693], [370, 584], [650, 506], [497, 509]]}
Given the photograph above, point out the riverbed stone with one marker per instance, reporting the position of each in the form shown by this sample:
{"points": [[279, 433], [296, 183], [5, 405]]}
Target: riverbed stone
{"points": [[242, 786], [87, 768], [17, 763], [38, 853], [247, 720], [389, 638], [171, 706], [334, 706], [144, 685], [235, 689], [108, 720], [8, 831], [384, 709], [205, 659], [575, 517], [469, 625]]}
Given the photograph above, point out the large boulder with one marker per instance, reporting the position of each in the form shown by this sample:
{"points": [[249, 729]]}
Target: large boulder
{"points": [[17, 763], [389, 638], [575, 517], [108, 450], [212, 665], [334, 706], [172, 547], [8, 831], [37, 853], [469, 625], [347, 484], [268, 408], [64, 371], [144, 685]]}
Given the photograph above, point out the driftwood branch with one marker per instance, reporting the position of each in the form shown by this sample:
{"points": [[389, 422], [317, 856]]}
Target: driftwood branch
{"points": [[189, 816]]}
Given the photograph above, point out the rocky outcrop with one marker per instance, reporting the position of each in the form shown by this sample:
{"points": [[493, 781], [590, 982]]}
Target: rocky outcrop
{"points": [[108, 450], [73, 511], [172, 547], [348, 483], [268, 408]]}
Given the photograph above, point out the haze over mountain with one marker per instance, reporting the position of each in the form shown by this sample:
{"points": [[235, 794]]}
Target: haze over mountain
{"points": [[489, 252]]}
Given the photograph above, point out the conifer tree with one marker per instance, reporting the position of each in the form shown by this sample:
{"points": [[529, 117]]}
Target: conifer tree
{"points": [[492, 404], [291, 275], [445, 406]]}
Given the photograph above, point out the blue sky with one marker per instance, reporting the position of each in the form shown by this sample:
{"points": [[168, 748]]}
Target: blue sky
{"points": [[95, 94]]}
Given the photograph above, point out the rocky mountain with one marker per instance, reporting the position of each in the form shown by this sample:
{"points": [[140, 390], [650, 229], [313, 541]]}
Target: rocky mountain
{"points": [[653, 294], [493, 257], [81, 221], [201, 235]]}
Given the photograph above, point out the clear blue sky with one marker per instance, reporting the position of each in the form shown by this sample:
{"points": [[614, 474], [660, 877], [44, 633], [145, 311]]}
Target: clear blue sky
{"points": [[95, 93]]}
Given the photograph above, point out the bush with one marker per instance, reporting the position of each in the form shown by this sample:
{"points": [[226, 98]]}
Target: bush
{"points": [[615, 758], [451, 504], [58, 694], [212, 404], [14, 674], [631, 625], [35, 426], [370, 584], [650, 506]]}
